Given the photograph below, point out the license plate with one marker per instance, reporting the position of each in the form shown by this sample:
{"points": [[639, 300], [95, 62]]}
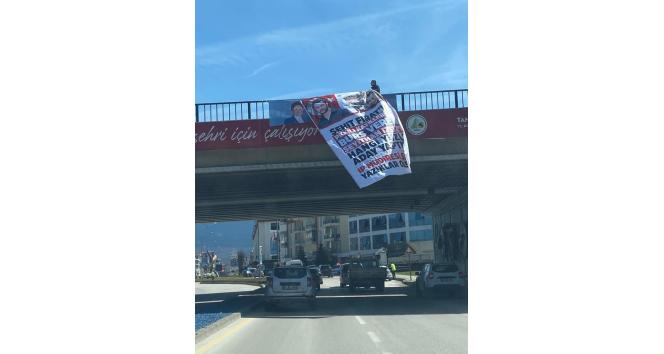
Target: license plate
{"points": [[446, 280], [289, 287]]}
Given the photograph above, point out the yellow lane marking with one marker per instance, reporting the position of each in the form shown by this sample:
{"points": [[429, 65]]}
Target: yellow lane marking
{"points": [[223, 334]]}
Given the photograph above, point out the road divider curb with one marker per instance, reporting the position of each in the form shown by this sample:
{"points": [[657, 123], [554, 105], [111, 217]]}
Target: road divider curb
{"points": [[224, 322]]}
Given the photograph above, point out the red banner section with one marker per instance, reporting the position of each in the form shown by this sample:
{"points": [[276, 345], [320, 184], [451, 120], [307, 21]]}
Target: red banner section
{"points": [[258, 133]]}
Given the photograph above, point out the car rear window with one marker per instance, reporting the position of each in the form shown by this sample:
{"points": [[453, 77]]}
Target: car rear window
{"points": [[290, 273], [324, 267], [445, 268]]}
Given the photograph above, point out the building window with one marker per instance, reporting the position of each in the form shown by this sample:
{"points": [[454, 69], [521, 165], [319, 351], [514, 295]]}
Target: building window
{"points": [[379, 223], [419, 219], [365, 242], [299, 238], [331, 231], [364, 225], [397, 221], [421, 235], [274, 226], [352, 226], [353, 244], [379, 241], [397, 237]]}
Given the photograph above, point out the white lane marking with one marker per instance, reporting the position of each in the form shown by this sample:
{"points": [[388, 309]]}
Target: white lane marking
{"points": [[387, 353], [373, 337], [360, 320], [361, 296], [209, 302]]}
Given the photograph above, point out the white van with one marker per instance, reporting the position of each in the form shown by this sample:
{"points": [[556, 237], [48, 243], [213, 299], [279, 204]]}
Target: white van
{"points": [[294, 263]]}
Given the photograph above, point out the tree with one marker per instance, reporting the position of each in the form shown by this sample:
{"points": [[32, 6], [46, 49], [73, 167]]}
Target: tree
{"points": [[240, 260], [301, 256], [323, 255]]}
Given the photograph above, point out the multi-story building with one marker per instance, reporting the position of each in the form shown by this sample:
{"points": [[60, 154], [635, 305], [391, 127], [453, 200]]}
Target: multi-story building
{"points": [[370, 233], [269, 241], [298, 236], [345, 236]]}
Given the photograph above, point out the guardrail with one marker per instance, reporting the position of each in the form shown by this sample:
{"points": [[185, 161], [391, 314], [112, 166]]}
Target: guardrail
{"points": [[402, 101], [414, 101]]}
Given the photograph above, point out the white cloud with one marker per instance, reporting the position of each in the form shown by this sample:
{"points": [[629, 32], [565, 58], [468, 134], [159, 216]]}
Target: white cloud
{"points": [[311, 38], [262, 68]]}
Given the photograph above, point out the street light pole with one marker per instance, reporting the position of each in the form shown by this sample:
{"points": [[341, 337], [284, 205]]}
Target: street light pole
{"points": [[410, 273]]}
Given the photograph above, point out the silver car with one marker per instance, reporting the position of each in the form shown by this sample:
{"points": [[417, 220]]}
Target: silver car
{"points": [[289, 284], [439, 278]]}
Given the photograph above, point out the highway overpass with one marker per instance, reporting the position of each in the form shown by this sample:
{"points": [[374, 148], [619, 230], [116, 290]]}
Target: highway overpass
{"points": [[247, 170]]}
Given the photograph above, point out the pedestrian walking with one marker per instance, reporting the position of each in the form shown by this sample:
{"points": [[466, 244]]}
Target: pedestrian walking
{"points": [[393, 269]]}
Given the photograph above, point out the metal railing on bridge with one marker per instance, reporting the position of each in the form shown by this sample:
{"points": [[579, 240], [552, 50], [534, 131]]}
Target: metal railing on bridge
{"points": [[403, 101], [414, 101]]}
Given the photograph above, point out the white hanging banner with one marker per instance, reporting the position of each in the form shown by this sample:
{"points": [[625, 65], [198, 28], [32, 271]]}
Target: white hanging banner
{"points": [[365, 133]]}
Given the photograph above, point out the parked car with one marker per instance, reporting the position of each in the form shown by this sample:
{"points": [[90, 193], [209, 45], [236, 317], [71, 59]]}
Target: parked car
{"points": [[251, 272], [315, 273], [439, 279], [336, 270], [325, 270], [290, 284]]}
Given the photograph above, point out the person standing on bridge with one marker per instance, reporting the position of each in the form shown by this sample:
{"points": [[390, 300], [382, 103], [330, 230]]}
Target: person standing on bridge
{"points": [[374, 86]]}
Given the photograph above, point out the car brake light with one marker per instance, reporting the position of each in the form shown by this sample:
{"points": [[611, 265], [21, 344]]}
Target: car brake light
{"points": [[461, 274]]}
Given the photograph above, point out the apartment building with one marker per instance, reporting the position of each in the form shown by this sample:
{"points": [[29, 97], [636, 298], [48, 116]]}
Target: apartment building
{"points": [[290, 238], [372, 232]]}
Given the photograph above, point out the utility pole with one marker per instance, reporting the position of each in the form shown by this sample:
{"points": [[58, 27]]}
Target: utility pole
{"points": [[260, 256]]}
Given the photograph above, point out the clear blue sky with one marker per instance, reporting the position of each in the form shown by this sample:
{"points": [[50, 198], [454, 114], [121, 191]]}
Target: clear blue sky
{"points": [[252, 49], [255, 50]]}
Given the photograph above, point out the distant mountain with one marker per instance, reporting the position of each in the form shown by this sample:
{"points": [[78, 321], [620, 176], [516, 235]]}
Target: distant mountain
{"points": [[224, 237]]}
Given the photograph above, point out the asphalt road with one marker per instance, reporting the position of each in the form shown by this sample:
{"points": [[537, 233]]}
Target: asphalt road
{"points": [[362, 322]]}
